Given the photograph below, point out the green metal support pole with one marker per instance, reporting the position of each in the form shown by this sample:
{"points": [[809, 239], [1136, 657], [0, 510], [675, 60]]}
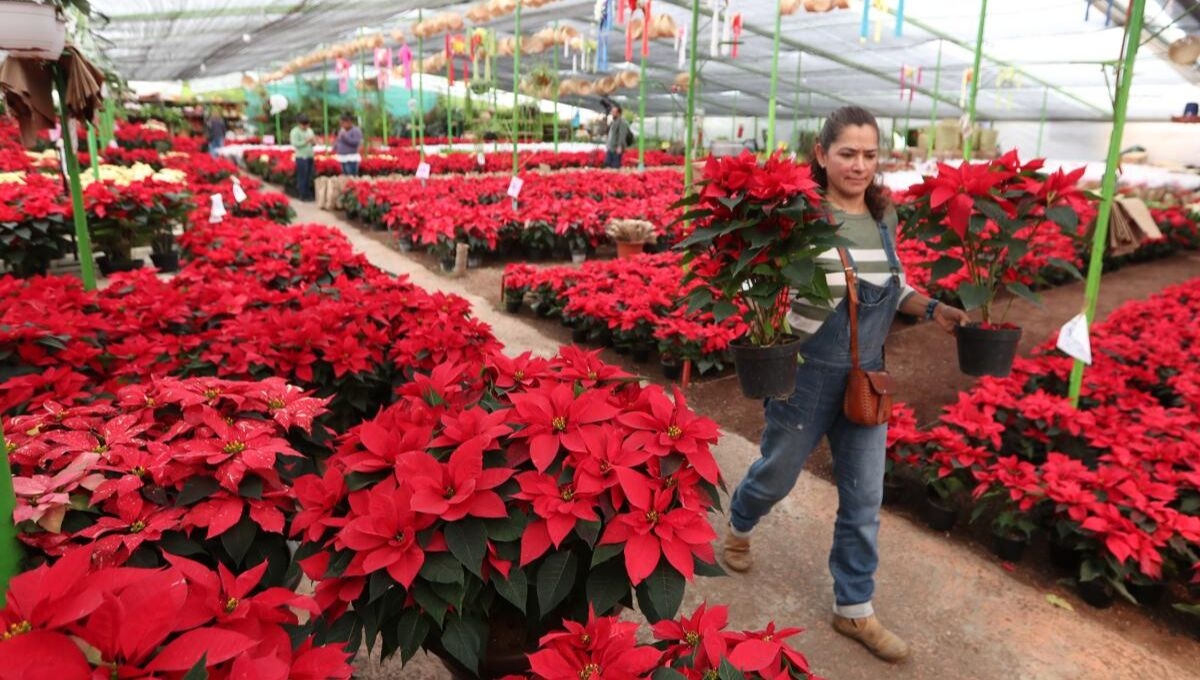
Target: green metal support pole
{"points": [[360, 95], [937, 84], [383, 114], [642, 114], [556, 84], [516, 89], [10, 548], [325, 97], [420, 59], [968, 138], [93, 152], [1137, 10], [1042, 123], [83, 239], [278, 131], [689, 142], [774, 80]]}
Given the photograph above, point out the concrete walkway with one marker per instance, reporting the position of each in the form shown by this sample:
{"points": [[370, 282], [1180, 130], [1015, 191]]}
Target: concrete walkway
{"points": [[963, 614]]}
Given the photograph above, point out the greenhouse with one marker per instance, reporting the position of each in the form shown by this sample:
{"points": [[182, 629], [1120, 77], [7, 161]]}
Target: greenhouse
{"points": [[599, 339]]}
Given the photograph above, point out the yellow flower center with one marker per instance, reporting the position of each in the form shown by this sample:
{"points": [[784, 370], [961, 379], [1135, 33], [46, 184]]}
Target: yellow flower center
{"points": [[567, 493], [592, 375], [399, 537], [275, 404], [652, 516], [559, 424], [9, 447], [230, 605], [150, 403], [605, 467], [235, 447], [519, 375], [15, 629], [674, 432], [711, 674], [211, 393], [692, 638], [100, 448], [449, 492], [588, 671], [138, 471], [137, 527]]}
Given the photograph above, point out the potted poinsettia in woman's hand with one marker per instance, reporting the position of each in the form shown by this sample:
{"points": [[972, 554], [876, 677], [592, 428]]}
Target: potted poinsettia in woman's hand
{"points": [[757, 230], [982, 218]]}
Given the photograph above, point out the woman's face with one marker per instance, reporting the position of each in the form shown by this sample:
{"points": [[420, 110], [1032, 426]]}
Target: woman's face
{"points": [[851, 162]]}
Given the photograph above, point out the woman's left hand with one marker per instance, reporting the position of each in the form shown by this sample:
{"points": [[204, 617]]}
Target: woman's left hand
{"points": [[950, 318]]}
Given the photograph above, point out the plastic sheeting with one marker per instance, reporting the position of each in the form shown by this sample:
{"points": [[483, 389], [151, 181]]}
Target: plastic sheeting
{"points": [[1034, 48]]}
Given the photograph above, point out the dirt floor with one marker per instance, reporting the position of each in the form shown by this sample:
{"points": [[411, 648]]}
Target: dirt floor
{"points": [[968, 615]]}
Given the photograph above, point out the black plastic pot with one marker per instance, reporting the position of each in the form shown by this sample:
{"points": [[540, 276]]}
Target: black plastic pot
{"points": [[621, 349], [579, 335], [987, 351], [641, 353], [766, 372], [542, 310], [1009, 548], [602, 336], [672, 370], [447, 265], [938, 515], [108, 267], [512, 306], [1097, 592], [1064, 557], [165, 262], [1147, 593], [893, 492]]}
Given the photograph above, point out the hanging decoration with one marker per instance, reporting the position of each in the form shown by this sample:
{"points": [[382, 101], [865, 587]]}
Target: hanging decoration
{"points": [[681, 46], [790, 7], [968, 74], [406, 59], [714, 45], [727, 29], [900, 19], [866, 21], [881, 6], [603, 15], [342, 67], [383, 67], [736, 33], [910, 79]]}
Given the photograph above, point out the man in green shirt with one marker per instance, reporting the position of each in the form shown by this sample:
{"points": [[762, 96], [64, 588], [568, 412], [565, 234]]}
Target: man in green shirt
{"points": [[302, 142]]}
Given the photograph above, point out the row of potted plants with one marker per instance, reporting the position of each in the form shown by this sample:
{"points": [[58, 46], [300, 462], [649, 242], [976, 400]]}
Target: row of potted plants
{"points": [[567, 212], [1114, 484], [279, 165], [489, 484], [635, 305]]}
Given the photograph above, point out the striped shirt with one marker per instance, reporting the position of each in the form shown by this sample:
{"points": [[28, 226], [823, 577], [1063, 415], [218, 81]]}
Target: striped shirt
{"points": [[870, 261]]}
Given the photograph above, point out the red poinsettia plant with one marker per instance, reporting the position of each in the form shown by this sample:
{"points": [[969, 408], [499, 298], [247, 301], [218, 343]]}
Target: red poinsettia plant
{"points": [[72, 620], [506, 497], [983, 217], [757, 230], [692, 647]]}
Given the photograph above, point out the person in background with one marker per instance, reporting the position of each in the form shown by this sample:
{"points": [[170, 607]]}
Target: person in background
{"points": [[302, 137], [346, 146], [215, 129], [618, 133], [846, 167]]}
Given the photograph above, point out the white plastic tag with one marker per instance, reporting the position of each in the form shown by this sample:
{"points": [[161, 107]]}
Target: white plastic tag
{"points": [[514, 187], [269, 140], [239, 194], [481, 159], [423, 170], [1074, 340], [218, 209]]}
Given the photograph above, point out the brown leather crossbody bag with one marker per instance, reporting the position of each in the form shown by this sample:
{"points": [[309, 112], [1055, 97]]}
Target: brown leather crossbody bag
{"points": [[869, 394]]}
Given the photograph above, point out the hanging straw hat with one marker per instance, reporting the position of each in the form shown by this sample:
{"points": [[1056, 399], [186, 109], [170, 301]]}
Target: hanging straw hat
{"points": [[629, 79], [1184, 51], [664, 26]]}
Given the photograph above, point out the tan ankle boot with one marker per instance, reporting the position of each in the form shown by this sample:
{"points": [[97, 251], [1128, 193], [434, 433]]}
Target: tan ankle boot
{"points": [[736, 552], [882, 642]]}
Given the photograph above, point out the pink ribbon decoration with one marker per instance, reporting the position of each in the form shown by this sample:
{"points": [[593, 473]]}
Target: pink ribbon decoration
{"points": [[383, 66], [342, 67], [406, 58], [737, 33], [646, 29]]}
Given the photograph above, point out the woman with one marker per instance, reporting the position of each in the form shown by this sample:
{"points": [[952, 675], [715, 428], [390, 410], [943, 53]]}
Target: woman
{"points": [[847, 158]]}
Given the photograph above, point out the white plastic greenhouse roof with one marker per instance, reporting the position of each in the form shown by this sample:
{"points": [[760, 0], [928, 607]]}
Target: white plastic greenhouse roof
{"points": [[1035, 51]]}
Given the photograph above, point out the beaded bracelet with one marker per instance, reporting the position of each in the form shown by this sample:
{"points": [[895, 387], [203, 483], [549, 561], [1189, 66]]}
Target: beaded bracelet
{"points": [[929, 309]]}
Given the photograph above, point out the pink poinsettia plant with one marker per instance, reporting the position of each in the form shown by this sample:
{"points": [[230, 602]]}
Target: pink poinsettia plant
{"points": [[512, 494], [981, 219]]}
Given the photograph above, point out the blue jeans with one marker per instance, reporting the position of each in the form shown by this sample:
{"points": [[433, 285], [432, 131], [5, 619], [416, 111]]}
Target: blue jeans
{"points": [[304, 179], [796, 425], [214, 146], [350, 168], [612, 159]]}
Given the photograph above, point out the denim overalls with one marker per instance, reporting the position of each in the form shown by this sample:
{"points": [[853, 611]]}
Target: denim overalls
{"points": [[795, 426]]}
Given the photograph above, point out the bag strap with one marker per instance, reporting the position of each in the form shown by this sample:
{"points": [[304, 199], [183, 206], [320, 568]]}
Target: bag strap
{"points": [[852, 298], [889, 247]]}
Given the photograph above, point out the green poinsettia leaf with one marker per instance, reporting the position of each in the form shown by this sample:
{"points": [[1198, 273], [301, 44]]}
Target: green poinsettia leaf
{"points": [[515, 588], [463, 638], [607, 585], [555, 579], [974, 296], [661, 594], [467, 540]]}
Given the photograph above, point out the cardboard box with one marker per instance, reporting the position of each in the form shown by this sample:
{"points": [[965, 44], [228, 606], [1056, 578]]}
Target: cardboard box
{"points": [[1129, 226]]}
